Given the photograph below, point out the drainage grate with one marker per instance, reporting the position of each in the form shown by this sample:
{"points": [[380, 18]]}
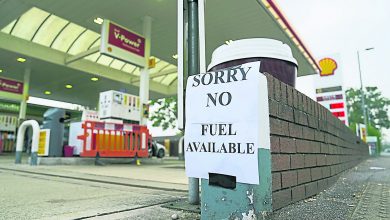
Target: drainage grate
{"points": [[374, 203]]}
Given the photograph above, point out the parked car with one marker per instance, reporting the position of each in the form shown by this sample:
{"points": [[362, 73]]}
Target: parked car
{"points": [[157, 150], [386, 152]]}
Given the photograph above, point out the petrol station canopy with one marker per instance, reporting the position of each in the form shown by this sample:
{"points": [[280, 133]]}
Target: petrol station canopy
{"points": [[48, 33]]}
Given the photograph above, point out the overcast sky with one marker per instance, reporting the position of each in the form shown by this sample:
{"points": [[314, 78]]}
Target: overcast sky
{"points": [[343, 27]]}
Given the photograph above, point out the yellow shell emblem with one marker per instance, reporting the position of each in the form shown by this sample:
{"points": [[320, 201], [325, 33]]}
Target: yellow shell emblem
{"points": [[328, 66]]}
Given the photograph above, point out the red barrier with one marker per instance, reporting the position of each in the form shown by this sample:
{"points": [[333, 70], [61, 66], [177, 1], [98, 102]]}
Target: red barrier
{"points": [[114, 140]]}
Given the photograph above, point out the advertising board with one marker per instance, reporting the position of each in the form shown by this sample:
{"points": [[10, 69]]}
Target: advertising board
{"points": [[121, 43]]}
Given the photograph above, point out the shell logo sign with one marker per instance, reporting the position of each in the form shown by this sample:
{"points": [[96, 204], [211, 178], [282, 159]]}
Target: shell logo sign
{"points": [[328, 66]]}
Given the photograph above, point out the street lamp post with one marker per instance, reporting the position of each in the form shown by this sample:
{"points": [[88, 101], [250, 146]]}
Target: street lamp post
{"points": [[361, 88]]}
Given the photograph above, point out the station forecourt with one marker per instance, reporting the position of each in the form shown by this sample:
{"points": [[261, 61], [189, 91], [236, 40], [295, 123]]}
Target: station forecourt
{"points": [[51, 42], [46, 34], [48, 41]]}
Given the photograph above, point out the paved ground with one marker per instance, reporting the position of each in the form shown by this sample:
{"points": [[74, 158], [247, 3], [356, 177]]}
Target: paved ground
{"points": [[123, 191], [130, 192], [29, 196], [166, 174], [360, 193]]}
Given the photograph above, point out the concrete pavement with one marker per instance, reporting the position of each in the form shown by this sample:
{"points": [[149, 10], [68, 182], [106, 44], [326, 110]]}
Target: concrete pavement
{"points": [[124, 191], [360, 193], [127, 191], [168, 174], [30, 196]]}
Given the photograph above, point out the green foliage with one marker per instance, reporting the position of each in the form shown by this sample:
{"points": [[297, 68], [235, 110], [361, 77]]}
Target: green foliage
{"points": [[376, 106], [165, 113]]}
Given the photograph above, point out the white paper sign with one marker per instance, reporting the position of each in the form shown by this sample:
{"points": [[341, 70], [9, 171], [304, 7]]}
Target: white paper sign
{"points": [[227, 120]]}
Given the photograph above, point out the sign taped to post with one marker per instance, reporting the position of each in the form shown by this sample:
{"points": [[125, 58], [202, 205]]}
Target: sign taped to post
{"points": [[227, 121]]}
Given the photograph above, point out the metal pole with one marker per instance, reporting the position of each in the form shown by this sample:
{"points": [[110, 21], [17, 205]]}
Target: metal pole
{"points": [[26, 86], [144, 76], [180, 64], [362, 93], [193, 68], [202, 35]]}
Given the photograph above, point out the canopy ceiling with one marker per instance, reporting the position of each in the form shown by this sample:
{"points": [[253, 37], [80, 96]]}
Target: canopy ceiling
{"points": [[47, 32]]}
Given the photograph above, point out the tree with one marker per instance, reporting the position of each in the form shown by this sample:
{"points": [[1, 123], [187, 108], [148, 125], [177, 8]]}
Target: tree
{"points": [[376, 105], [165, 111]]}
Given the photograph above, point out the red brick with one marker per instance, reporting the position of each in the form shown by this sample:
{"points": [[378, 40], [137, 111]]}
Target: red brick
{"points": [[321, 160], [325, 172], [280, 162], [290, 97], [283, 92], [278, 127], [277, 89], [270, 84], [322, 127], [329, 159], [276, 181], [303, 146], [313, 121], [316, 111], [332, 180], [298, 193], [310, 160], [297, 161], [286, 112], [316, 173], [322, 184], [275, 145], [303, 119], [324, 148], [332, 149], [273, 107], [311, 189], [332, 159], [281, 199], [312, 105], [289, 178], [318, 135], [304, 176], [335, 169], [306, 103], [300, 101], [287, 145], [308, 133], [295, 130], [295, 98], [315, 146]]}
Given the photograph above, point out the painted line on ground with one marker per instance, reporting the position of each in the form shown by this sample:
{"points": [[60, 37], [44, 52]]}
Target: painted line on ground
{"points": [[97, 181], [126, 210]]}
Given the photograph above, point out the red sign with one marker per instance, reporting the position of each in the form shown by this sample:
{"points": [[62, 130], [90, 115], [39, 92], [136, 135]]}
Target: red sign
{"points": [[126, 40], [337, 105], [7, 85], [339, 114]]}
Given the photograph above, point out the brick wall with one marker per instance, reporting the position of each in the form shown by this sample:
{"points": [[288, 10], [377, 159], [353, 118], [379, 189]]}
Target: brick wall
{"points": [[309, 146]]}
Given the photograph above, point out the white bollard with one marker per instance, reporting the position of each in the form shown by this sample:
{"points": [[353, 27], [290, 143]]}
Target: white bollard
{"points": [[35, 140], [181, 153]]}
